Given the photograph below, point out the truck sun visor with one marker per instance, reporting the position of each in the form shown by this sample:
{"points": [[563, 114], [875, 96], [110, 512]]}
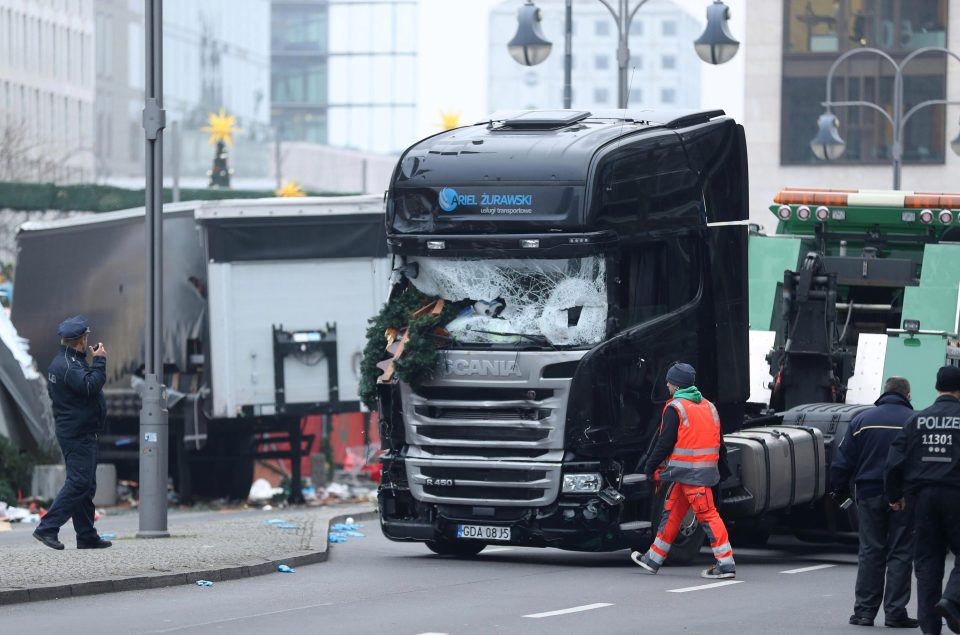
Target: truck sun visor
{"points": [[562, 300]]}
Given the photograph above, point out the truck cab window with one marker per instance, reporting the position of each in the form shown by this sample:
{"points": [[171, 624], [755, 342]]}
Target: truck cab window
{"points": [[658, 278]]}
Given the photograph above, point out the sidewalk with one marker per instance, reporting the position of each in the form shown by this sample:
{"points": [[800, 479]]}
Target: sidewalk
{"points": [[207, 545]]}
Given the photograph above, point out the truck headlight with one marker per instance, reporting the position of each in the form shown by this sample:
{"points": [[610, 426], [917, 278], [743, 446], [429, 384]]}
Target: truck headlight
{"points": [[581, 483]]}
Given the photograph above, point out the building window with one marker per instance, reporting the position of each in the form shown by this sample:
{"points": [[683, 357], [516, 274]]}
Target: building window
{"points": [[601, 95], [668, 28], [668, 95], [636, 96], [636, 27], [299, 80], [601, 27], [601, 62], [815, 32], [636, 61], [530, 78], [668, 62]]}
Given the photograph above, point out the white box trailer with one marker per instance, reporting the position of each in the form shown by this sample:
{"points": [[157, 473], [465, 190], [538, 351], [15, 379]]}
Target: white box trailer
{"points": [[246, 282], [315, 270]]}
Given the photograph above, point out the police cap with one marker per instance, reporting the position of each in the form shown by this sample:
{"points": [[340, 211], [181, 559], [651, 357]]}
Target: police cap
{"points": [[948, 379], [73, 327]]}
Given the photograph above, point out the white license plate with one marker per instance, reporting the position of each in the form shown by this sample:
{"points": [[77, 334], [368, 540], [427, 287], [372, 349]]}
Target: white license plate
{"points": [[483, 532]]}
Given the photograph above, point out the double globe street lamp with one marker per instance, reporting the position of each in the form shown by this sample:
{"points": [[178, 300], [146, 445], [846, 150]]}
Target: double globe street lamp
{"points": [[530, 47], [828, 145]]}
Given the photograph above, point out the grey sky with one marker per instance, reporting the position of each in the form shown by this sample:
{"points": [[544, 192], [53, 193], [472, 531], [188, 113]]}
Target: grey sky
{"points": [[453, 59]]}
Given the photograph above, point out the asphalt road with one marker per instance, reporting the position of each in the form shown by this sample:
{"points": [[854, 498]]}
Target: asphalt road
{"points": [[371, 585]]}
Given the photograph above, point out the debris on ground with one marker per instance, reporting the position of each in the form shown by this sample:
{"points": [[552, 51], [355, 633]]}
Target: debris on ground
{"points": [[204, 583], [107, 536], [285, 569], [261, 491]]}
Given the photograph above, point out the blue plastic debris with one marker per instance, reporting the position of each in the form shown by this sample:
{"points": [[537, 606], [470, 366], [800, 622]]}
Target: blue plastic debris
{"points": [[286, 526], [336, 537], [107, 536], [274, 521], [354, 534], [346, 527], [204, 583], [285, 569]]}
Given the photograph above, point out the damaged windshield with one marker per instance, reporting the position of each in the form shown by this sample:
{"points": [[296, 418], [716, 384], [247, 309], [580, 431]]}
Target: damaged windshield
{"points": [[562, 301]]}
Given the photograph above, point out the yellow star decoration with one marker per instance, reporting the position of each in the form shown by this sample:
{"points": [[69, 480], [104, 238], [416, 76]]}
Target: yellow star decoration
{"points": [[221, 127], [450, 119], [290, 189]]}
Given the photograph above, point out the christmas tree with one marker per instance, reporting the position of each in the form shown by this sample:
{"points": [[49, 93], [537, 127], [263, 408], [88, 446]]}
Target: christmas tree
{"points": [[221, 135]]}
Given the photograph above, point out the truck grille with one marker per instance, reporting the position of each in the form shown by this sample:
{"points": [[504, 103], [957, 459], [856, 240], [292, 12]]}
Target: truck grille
{"points": [[477, 433], [489, 440], [466, 482]]}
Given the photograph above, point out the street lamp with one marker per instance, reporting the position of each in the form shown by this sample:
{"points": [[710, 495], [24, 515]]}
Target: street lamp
{"points": [[717, 45], [828, 145], [529, 46]]}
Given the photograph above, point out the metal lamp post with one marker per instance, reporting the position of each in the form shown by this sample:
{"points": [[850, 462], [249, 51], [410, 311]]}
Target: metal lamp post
{"points": [[153, 411], [717, 44], [828, 144]]}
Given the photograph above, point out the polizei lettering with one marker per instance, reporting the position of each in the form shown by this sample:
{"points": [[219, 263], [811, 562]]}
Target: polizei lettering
{"points": [[938, 423], [483, 368]]}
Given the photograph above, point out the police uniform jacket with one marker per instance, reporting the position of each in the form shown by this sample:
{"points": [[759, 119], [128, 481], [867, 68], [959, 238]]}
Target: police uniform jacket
{"points": [[76, 390], [926, 451], [863, 451]]}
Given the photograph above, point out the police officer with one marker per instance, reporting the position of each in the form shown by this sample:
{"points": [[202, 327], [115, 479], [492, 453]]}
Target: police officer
{"points": [[886, 536], [76, 390], [924, 465], [688, 453]]}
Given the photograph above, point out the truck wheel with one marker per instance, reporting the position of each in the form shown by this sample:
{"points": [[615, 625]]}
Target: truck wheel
{"points": [[687, 544], [449, 548]]}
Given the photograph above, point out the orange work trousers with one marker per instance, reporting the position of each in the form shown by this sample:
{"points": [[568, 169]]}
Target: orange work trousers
{"points": [[684, 497]]}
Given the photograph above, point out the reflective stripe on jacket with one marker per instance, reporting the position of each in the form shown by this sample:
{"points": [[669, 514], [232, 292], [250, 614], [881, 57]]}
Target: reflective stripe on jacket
{"points": [[695, 456]]}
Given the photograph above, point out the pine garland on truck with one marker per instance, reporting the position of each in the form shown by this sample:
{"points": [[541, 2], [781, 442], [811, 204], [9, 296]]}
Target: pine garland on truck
{"points": [[421, 352]]}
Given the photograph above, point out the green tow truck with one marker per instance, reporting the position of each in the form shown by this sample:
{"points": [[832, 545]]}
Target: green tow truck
{"points": [[853, 287]]}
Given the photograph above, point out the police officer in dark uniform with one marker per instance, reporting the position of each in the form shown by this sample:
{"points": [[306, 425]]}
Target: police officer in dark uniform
{"points": [[924, 466], [885, 559], [76, 390]]}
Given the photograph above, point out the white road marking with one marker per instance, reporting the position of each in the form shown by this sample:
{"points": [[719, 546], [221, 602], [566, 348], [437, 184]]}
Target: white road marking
{"points": [[813, 568], [576, 609], [498, 549], [242, 617], [712, 585]]}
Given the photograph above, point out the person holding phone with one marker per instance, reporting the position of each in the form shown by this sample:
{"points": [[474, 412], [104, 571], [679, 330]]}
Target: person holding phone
{"points": [[76, 390]]}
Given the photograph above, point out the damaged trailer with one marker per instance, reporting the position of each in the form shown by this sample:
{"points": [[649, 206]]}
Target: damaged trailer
{"points": [[265, 307]]}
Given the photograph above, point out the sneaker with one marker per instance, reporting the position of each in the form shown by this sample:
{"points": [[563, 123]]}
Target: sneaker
{"points": [[950, 611], [97, 544], [719, 572], [861, 620], [646, 565]]}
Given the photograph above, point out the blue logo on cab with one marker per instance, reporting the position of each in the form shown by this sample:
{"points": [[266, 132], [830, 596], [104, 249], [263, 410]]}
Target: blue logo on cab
{"points": [[448, 199]]}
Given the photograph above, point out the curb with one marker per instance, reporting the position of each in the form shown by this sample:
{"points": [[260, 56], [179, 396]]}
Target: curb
{"points": [[247, 569]]}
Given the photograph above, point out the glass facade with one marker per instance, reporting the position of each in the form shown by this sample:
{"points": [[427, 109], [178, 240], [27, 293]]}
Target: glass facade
{"points": [[816, 32], [344, 72]]}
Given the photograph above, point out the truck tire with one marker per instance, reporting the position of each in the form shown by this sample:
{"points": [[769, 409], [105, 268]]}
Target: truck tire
{"points": [[462, 549], [687, 545]]}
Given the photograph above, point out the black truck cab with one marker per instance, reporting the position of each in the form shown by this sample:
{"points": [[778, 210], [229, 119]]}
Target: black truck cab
{"points": [[588, 251]]}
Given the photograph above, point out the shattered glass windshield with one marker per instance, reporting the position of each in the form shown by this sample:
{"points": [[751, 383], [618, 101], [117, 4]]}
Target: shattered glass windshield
{"points": [[560, 301]]}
